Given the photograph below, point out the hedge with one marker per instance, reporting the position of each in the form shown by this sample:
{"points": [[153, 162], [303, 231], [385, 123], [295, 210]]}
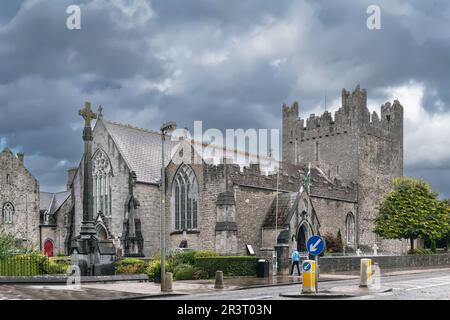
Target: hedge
{"points": [[26, 265], [230, 265], [130, 266]]}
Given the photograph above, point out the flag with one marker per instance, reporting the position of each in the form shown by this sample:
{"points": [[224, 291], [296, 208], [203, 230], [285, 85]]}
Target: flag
{"points": [[308, 178]]}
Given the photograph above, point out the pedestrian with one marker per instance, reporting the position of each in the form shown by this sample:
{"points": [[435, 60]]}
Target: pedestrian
{"points": [[295, 261]]}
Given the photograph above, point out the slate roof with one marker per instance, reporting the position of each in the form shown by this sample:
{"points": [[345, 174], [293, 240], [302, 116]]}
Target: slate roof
{"points": [[286, 203], [141, 150], [51, 202]]}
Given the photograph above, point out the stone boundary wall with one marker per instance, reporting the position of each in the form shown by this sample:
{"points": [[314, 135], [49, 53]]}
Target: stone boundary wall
{"points": [[345, 264]]}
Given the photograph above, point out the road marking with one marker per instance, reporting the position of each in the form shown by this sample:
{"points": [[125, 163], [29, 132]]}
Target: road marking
{"points": [[430, 286], [258, 298], [414, 284]]}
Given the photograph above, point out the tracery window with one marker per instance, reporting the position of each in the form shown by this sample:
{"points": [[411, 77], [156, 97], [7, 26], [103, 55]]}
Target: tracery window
{"points": [[102, 174], [8, 212], [185, 190]]}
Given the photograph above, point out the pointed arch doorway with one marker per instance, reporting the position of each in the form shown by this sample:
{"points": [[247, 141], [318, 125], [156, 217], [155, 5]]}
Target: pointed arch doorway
{"points": [[302, 237]]}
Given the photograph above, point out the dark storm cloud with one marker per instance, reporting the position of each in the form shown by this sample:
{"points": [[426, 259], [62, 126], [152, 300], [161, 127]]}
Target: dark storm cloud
{"points": [[229, 63]]}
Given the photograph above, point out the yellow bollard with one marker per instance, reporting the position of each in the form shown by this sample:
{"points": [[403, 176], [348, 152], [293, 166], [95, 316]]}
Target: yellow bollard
{"points": [[309, 276], [365, 273]]}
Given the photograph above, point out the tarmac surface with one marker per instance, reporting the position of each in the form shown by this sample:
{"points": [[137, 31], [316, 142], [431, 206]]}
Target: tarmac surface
{"points": [[412, 284]]}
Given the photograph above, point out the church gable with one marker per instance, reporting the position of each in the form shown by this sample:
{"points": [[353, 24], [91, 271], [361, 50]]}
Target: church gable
{"points": [[13, 170], [140, 149]]}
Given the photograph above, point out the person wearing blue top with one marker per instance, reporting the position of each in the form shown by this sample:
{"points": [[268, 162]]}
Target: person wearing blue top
{"points": [[295, 261]]}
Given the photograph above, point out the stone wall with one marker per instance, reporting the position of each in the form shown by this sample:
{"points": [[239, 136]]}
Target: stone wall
{"points": [[21, 189], [149, 214], [332, 216], [352, 264]]}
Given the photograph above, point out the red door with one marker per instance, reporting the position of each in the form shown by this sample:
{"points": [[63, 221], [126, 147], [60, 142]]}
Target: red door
{"points": [[48, 248]]}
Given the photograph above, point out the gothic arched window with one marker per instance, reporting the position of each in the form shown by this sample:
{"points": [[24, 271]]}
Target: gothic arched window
{"points": [[8, 212], [185, 191], [350, 228], [102, 174]]}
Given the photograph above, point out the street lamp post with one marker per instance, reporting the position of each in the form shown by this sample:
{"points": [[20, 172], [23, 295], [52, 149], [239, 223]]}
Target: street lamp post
{"points": [[165, 128]]}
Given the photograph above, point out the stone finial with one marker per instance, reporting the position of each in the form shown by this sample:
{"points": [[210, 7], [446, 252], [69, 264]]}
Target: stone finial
{"points": [[100, 111], [21, 157]]}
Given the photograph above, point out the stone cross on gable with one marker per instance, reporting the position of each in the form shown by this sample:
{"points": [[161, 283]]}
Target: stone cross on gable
{"points": [[87, 114]]}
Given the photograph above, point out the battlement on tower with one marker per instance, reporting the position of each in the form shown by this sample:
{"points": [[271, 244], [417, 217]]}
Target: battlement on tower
{"points": [[353, 114]]}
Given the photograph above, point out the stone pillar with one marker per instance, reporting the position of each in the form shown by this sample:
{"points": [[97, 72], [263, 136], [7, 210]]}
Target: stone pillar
{"points": [[93, 256], [283, 250], [226, 227], [87, 225], [283, 258]]}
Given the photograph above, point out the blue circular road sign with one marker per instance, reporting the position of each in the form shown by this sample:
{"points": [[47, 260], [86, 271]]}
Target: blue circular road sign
{"points": [[306, 266], [315, 245]]}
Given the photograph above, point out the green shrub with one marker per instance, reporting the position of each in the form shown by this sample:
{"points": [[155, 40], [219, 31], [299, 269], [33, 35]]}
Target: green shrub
{"points": [[185, 257], [205, 254], [130, 266], [153, 270], [59, 264], [7, 245], [199, 274], [183, 272], [420, 251], [188, 257], [128, 261], [230, 265]]}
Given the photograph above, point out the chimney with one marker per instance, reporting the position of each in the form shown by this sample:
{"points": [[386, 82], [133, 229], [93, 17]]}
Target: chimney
{"points": [[70, 176], [21, 157]]}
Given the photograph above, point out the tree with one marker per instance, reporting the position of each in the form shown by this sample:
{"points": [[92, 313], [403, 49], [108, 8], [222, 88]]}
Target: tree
{"points": [[7, 244], [447, 237], [412, 210], [334, 243]]}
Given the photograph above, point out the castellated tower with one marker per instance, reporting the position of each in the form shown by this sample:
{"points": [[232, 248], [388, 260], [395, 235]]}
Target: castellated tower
{"points": [[356, 146]]}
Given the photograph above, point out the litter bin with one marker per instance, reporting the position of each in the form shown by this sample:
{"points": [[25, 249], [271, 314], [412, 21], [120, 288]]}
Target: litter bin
{"points": [[262, 268]]}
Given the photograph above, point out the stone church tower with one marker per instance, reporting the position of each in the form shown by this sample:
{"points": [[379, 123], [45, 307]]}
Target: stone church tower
{"points": [[353, 147]]}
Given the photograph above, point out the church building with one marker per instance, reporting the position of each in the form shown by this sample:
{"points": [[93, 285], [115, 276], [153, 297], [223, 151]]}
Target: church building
{"points": [[226, 206]]}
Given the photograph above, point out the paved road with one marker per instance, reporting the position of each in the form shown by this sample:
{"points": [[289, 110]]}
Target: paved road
{"points": [[433, 285]]}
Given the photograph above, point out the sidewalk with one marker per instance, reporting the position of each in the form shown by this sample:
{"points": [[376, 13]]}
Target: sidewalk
{"points": [[138, 290], [204, 286]]}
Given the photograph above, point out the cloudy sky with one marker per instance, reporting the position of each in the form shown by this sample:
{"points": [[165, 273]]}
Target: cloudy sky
{"points": [[231, 64]]}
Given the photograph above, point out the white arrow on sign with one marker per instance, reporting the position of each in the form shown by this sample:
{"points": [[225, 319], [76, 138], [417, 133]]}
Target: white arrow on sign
{"points": [[313, 247]]}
